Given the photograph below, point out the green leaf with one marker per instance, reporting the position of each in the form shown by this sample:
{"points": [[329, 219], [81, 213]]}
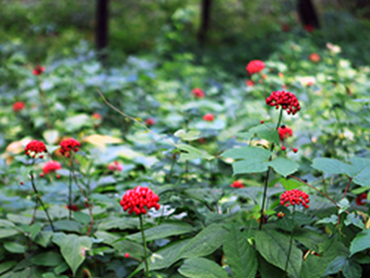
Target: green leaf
{"points": [[268, 270], [121, 223], [51, 136], [166, 256], [7, 233], [309, 238], [5, 266], [43, 238], [189, 153], [204, 243], [81, 217], [354, 220], [289, 184], [258, 154], [284, 166], [14, 247], [202, 268], [274, 247], [249, 166], [239, 254], [47, 259], [363, 178], [335, 265], [68, 225], [332, 166], [352, 269], [77, 122], [360, 242], [73, 250], [266, 131], [163, 231], [191, 135]]}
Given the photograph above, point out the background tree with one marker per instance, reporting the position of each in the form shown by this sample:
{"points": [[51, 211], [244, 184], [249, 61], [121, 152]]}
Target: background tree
{"points": [[307, 14], [101, 28], [205, 20]]}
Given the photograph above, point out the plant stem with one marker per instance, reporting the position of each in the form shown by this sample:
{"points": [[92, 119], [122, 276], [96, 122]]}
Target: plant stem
{"points": [[268, 175], [144, 245], [41, 202], [70, 192], [44, 105], [345, 191], [171, 169], [290, 244]]}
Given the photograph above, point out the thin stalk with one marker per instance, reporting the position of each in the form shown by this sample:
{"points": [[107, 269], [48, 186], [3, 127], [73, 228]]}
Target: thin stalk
{"points": [[89, 206], [290, 244], [171, 169], [345, 191], [41, 202], [144, 245], [70, 193], [268, 175], [44, 105]]}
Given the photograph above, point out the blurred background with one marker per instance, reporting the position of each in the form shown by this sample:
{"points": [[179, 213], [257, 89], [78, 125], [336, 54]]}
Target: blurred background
{"points": [[225, 33]]}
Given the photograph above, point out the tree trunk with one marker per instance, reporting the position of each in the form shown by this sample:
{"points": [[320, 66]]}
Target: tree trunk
{"points": [[101, 29], [205, 20], [307, 14]]}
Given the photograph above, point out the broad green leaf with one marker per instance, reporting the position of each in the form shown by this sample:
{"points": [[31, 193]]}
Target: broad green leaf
{"points": [[47, 259], [289, 184], [274, 247], [68, 225], [191, 135], [76, 122], [202, 268], [51, 136], [121, 223], [354, 220], [43, 238], [81, 217], [7, 233], [249, 166], [14, 247], [249, 153], [332, 166], [5, 266], [268, 270], [189, 153], [309, 238], [335, 265], [204, 243], [239, 254], [134, 249], [352, 269], [363, 177], [266, 131], [166, 256], [163, 231], [6, 223], [73, 250], [284, 166], [360, 242]]}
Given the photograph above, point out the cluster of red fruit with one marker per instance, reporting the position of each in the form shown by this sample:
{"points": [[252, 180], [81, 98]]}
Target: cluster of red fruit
{"points": [[18, 106], [197, 92], [237, 184], [35, 148], [68, 145], [51, 166], [288, 101], [38, 70], [136, 199], [255, 66], [280, 214], [294, 197]]}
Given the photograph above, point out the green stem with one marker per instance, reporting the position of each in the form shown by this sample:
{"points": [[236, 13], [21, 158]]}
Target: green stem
{"points": [[44, 105], [171, 170], [268, 175], [290, 244], [41, 202], [144, 245], [70, 193]]}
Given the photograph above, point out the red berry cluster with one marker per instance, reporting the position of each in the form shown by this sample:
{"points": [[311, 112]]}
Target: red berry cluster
{"points": [[68, 145], [136, 199], [150, 121], [255, 66], [361, 199], [18, 106], [288, 101], [284, 132], [280, 214], [38, 70], [237, 184], [294, 197], [197, 92], [51, 166], [34, 148]]}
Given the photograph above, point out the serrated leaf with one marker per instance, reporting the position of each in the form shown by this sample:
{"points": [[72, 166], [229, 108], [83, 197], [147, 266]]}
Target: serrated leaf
{"points": [[239, 254], [274, 247], [202, 268], [252, 153], [73, 250], [204, 243], [360, 242], [162, 231], [189, 153], [284, 166], [332, 166]]}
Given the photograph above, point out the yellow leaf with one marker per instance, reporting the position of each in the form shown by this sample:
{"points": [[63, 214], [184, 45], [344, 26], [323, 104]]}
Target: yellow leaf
{"points": [[101, 140]]}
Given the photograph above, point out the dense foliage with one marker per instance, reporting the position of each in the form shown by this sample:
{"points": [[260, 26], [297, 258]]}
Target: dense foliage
{"points": [[167, 167]]}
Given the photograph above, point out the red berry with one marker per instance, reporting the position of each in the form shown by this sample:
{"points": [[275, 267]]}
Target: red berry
{"points": [[295, 150], [21, 183], [41, 175], [262, 121], [127, 255], [283, 148], [58, 176]]}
